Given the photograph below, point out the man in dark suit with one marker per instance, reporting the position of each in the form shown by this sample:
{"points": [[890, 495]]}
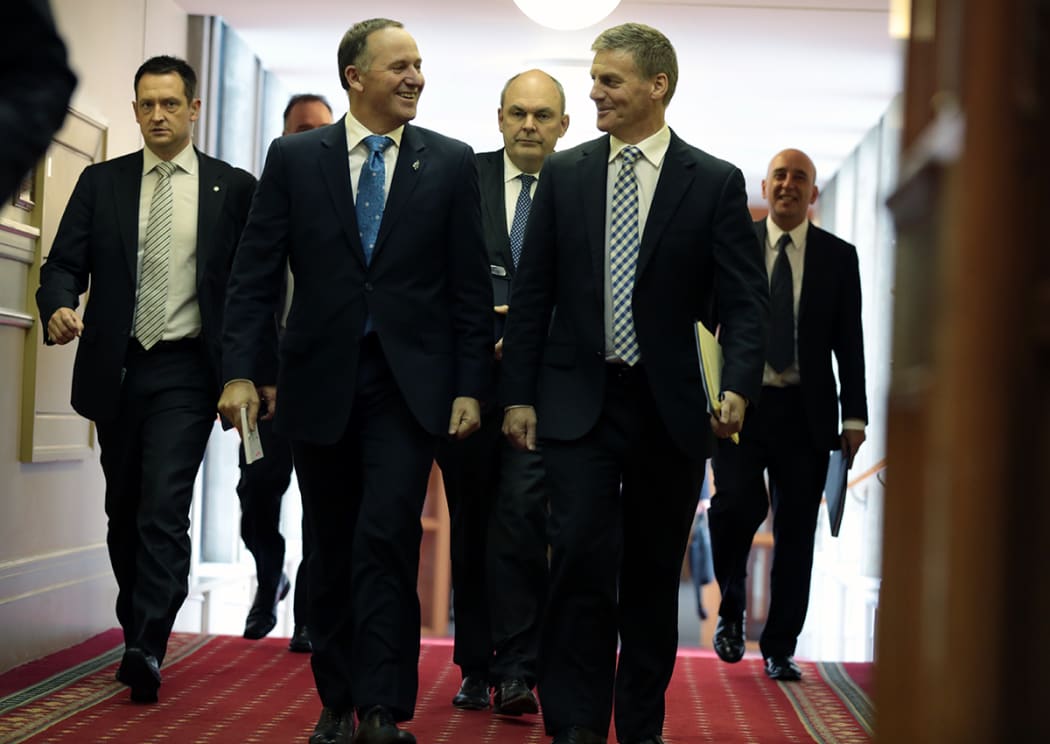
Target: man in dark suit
{"points": [[153, 234], [815, 313], [632, 238], [497, 501], [35, 88], [262, 484], [388, 347]]}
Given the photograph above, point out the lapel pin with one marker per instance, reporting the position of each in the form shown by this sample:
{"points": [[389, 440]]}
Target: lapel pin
{"points": [[415, 166], [214, 188]]}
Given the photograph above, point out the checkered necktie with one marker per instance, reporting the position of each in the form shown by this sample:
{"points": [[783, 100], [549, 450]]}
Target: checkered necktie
{"points": [[150, 315], [521, 216], [371, 193], [780, 352], [623, 256]]}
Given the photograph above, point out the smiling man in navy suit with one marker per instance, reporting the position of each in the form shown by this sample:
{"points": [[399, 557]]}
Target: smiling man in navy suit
{"points": [[632, 238], [815, 315], [153, 234], [388, 346]]}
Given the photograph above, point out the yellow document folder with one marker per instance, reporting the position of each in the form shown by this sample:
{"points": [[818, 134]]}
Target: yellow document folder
{"points": [[710, 353]]}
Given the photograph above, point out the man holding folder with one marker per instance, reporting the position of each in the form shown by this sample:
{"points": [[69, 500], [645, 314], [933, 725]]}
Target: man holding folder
{"points": [[814, 313]]}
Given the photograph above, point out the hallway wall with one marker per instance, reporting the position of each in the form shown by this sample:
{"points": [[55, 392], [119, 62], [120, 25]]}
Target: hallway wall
{"points": [[56, 587]]}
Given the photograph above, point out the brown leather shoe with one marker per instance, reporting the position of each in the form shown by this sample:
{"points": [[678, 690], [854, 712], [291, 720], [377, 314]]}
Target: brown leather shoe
{"points": [[333, 728], [514, 698], [378, 726]]}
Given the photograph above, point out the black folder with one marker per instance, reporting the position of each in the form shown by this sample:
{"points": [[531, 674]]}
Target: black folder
{"points": [[835, 489]]}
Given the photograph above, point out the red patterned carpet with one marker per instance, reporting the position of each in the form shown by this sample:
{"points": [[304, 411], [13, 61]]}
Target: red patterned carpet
{"points": [[224, 688]]}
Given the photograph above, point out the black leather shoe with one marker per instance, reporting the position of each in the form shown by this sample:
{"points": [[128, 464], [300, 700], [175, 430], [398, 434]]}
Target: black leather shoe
{"points": [[262, 617], [333, 728], [783, 669], [729, 639], [514, 698], [473, 694], [377, 726], [649, 740], [141, 672], [300, 641], [578, 735]]}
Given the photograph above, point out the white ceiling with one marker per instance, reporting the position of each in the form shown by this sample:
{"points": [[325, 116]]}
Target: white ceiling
{"points": [[754, 77]]}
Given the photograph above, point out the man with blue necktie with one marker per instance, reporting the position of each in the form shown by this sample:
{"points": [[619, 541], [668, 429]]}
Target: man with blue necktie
{"points": [[387, 348], [496, 496]]}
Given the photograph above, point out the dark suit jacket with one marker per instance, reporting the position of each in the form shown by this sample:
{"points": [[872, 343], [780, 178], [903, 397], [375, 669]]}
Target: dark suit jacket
{"points": [[696, 253], [35, 88], [494, 223], [97, 242], [426, 290], [829, 322]]}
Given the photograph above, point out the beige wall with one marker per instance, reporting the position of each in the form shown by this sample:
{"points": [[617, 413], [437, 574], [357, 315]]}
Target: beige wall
{"points": [[56, 586]]}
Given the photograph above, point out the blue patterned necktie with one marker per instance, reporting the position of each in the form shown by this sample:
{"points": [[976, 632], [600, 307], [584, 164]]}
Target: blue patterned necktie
{"points": [[781, 350], [150, 311], [371, 193], [521, 217], [624, 241]]}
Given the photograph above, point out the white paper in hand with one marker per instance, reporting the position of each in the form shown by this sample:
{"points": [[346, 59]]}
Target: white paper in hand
{"points": [[250, 439]]}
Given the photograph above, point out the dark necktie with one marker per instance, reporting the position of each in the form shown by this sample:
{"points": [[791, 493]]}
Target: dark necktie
{"points": [[623, 256], [150, 312], [781, 350], [371, 193], [521, 216]]}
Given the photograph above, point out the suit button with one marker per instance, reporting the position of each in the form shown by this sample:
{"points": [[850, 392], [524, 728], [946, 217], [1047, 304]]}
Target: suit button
{"points": [[368, 286]]}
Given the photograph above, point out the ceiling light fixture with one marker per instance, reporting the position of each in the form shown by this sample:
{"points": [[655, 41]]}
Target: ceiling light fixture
{"points": [[567, 16]]}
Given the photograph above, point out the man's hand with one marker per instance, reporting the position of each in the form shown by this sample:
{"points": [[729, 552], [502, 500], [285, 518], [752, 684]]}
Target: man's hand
{"points": [[466, 417], [236, 395], [64, 326], [268, 395], [519, 426], [500, 310], [730, 419], [852, 439]]}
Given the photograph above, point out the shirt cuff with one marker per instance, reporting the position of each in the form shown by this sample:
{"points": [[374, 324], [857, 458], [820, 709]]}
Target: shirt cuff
{"points": [[854, 424]]}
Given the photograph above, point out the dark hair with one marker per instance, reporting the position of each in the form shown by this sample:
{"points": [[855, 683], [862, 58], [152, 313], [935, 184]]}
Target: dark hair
{"points": [[163, 65], [561, 90], [651, 50], [304, 98], [355, 42]]}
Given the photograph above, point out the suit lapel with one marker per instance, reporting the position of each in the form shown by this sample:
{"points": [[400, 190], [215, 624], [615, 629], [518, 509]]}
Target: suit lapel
{"points": [[409, 168], [211, 194], [127, 187], [492, 184], [593, 170], [335, 170], [813, 263], [676, 174]]}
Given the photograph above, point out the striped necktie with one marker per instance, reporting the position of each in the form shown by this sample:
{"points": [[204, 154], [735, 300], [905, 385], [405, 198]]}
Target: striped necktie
{"points": [[624, 242], [150, 312]]}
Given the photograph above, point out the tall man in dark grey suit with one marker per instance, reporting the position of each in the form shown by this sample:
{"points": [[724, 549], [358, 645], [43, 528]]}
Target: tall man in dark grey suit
{"points": [[262, 484], [153, 234], [815, 314], [388, 347], [632, 238], [496, 496]]}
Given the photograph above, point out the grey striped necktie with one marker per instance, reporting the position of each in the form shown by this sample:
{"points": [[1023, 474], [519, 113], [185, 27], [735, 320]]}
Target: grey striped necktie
{"points": [[150, 315]]}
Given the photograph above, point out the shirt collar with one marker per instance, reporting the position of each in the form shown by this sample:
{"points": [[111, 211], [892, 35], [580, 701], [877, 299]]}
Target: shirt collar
{"points": [[185, 160], [511, 171], [356, 132], [798, 234], [653, 147]]}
